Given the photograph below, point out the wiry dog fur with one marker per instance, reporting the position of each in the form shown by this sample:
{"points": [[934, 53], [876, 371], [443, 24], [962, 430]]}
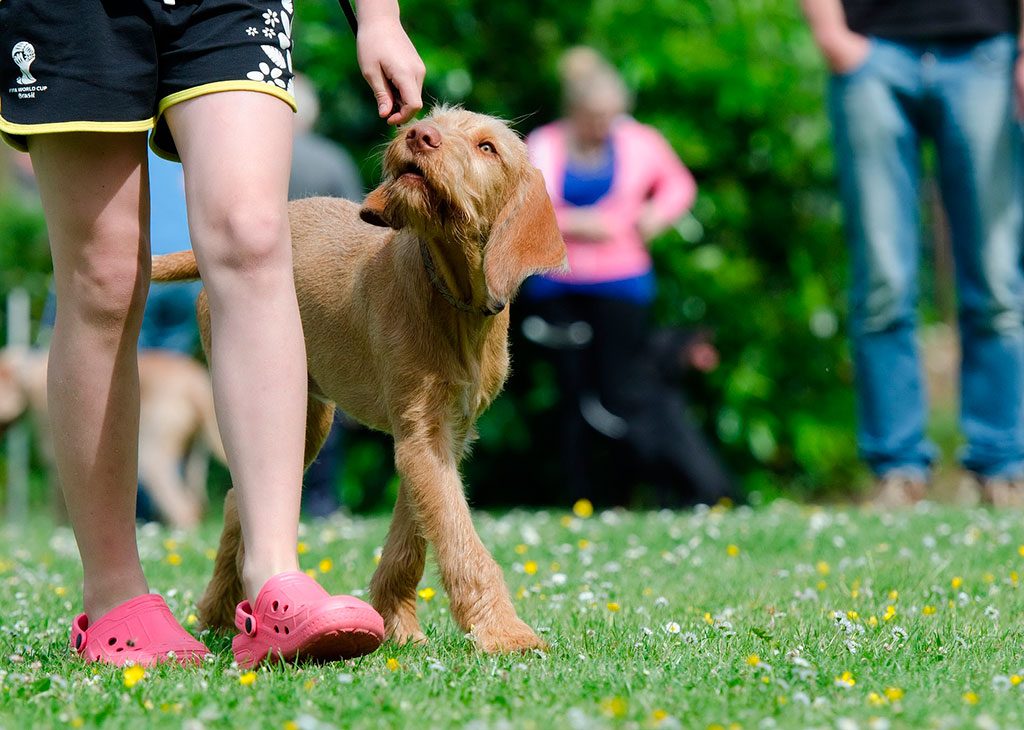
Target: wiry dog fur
{"points": [[390, 350]]}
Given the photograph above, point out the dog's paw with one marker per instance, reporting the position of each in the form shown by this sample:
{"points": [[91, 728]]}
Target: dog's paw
{"points": [[402, 637], [402, 627], [506, 638]]}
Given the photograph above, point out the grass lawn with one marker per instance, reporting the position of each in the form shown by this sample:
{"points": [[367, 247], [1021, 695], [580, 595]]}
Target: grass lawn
{"points": [[782, 616]]}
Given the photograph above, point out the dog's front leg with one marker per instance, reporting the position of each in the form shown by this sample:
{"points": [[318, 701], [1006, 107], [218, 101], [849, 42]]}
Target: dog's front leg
{"points": [[393, 587], [480, 602]]}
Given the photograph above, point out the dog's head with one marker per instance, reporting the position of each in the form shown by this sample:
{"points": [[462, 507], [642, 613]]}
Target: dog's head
{"points": [[467, 177]]}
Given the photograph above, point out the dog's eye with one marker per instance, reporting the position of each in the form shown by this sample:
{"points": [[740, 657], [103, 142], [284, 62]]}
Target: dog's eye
{"points": [[488, 148]]}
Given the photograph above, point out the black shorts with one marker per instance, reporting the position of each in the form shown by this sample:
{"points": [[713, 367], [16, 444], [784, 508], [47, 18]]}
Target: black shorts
{"points": [[117, 65]]}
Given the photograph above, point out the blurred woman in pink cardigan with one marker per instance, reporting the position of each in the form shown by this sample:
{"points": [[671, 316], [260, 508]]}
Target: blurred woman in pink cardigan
{"points": [[615, 184]]}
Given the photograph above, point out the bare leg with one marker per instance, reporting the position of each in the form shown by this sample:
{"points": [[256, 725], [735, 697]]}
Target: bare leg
{"points": [[236, 151], [95, 194]]}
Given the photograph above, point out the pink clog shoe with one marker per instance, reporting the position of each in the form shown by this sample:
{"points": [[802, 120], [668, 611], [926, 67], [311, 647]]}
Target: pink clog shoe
{"points": [[295, 617], [141, 630]]}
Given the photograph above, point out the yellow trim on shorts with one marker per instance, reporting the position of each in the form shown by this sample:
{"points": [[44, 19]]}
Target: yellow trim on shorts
{"points": [[213, 87], [236, 85], [14, 134]]}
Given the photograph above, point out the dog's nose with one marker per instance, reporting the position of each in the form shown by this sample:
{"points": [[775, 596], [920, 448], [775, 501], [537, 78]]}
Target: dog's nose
{"points": [[423, 138]]}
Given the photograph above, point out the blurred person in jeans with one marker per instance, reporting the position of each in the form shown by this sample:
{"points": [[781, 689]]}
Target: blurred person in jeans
{"points": [[947, 70], [615, 184]]}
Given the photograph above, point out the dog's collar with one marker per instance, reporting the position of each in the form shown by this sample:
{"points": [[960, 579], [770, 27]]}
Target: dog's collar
{"points": [[445, 292]]}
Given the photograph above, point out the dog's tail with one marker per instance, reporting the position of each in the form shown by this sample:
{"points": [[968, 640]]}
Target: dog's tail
{"points": [[180, 266]]}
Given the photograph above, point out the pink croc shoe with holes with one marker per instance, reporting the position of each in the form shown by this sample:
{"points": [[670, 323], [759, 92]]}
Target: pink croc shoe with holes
{"points": [[294, 617], [141, 630]]}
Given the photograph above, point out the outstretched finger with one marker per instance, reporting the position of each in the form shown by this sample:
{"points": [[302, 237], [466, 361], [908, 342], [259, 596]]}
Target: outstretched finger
{"points": [[409, 99], [382, 92]]}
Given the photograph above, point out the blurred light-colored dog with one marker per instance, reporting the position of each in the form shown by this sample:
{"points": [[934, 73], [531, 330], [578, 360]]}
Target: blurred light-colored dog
{"points": [[407, 331], [176, 425]]}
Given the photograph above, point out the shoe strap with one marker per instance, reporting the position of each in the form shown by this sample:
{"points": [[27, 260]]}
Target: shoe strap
{"points": [[244, 619]]}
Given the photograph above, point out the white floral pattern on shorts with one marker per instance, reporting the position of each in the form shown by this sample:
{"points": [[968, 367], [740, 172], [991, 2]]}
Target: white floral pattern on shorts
{"points": [[277, 69]]}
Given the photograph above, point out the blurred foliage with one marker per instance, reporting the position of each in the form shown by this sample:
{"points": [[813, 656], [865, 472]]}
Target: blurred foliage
{"points": [[737, 87]]}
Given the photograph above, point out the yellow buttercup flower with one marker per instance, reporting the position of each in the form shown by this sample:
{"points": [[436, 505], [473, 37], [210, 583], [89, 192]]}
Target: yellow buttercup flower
{"points": [[970, 698], [890, 612], [732, 550], [174, 559], [393, 664], [753, 660], [530, 567], [956, 582], [928, 610], [325, 565], [1016, 679], [246, 679], [894, 694], [133, 674], [303, 548], [583, 508], [521, 549], [426, 593], [823, 567], [614, 707], [613, 607]]}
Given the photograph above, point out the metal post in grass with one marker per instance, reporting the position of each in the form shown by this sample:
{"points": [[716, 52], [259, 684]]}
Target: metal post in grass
{"points": [[18, 332]]}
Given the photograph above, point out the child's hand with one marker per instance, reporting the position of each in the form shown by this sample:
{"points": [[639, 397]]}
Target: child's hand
{"points": [[390, 64]]}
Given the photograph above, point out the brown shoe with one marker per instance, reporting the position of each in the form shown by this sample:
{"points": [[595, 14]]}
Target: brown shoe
{"points": [[894, 491]]}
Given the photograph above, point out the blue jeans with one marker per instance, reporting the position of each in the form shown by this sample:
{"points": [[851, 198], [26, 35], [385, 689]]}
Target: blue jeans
{"points": [[960, 96]]}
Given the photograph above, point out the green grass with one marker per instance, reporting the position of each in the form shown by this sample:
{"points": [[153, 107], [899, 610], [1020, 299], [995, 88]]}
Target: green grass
{"points": [[724, 618]]}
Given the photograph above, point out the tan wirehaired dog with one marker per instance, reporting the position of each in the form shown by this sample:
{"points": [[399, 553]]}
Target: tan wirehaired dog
{"points": [[406, 328], [177, 425]]}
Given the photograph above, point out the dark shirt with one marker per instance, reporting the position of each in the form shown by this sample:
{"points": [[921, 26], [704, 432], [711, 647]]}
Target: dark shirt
{"points": [[932, 19], [322, 167]]}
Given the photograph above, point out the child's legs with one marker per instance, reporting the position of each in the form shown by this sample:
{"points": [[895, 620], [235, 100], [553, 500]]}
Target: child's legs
{"points": [[96, 198], [236, 151]]}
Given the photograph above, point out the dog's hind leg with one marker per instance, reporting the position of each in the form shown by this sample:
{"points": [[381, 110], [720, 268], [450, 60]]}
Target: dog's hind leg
{"points": [[319, 417], [393, 587], [480, 602], [225, 591]]}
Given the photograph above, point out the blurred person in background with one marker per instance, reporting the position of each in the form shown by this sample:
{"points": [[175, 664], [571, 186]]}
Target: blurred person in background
{"points": [[321, 166], [947, 70], [615, 184]]}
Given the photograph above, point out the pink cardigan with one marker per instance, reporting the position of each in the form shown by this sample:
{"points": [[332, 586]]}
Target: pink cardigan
{"points": [[646, 169]]}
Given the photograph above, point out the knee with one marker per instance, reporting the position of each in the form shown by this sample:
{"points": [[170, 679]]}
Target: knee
{"points": [[250, 241], [886, 304], [105, 294]]}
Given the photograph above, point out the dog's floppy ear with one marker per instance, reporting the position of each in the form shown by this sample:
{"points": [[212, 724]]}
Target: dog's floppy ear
{"points": [[524, 240], [375, 208]]}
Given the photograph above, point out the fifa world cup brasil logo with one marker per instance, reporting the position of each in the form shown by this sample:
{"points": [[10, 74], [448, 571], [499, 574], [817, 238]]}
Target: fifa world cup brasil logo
{"points": [[24, 54]]}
